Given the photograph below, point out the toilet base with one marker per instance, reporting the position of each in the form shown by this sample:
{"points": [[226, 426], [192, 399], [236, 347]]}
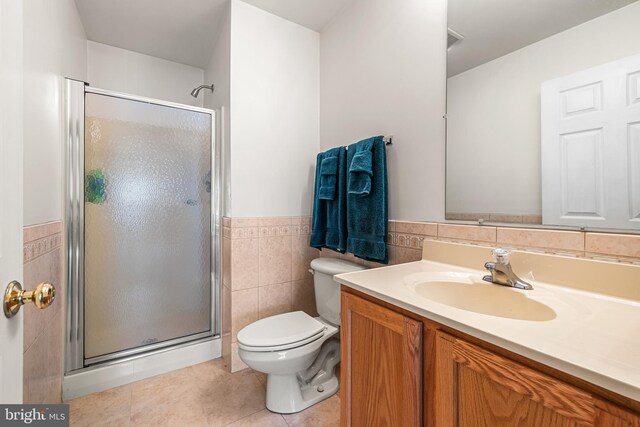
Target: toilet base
{"points": [[285, 396]]}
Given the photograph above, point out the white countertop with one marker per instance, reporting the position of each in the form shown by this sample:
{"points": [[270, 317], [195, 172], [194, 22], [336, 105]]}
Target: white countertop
{"points": [[594, 337]]}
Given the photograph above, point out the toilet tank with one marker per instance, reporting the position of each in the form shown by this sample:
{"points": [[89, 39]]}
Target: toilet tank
{"points": [[327, 291]]}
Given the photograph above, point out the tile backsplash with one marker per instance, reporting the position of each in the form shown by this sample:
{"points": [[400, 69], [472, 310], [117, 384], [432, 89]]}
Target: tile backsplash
{"points": [[609, 247], [43, 329]]}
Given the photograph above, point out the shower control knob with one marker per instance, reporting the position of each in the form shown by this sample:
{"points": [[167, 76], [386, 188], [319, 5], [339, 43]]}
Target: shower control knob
{"points": [[15, 297]]}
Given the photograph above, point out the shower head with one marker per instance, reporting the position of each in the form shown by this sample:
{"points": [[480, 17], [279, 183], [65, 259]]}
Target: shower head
{"points": [[197, 90]]}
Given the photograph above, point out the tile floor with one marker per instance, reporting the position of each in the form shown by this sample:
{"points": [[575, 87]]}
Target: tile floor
{"points": [[201, 395]]}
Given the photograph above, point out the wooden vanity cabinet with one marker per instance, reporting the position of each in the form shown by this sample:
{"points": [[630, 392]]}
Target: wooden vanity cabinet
{"points": [[399, 369]]}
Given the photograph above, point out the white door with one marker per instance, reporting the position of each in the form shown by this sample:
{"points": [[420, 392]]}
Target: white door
{"points": [[10, 193], [591, 147]]}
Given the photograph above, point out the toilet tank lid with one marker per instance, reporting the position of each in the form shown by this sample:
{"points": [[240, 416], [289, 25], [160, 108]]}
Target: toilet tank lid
{"points": [[334, 266]]}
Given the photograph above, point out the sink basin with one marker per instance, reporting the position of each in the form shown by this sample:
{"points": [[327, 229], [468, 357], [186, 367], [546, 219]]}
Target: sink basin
{"points": [[468, 292]]}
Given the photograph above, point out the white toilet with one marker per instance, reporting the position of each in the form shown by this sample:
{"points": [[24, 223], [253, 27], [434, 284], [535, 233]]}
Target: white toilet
{"points": [[298, 352]]}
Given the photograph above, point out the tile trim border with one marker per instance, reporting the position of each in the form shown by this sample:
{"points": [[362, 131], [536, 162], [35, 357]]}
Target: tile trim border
{"points": [[40, 239], [251, 228]]}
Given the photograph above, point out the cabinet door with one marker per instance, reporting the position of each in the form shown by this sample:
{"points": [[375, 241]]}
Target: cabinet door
{"points": [[608, 415], [475, 387], [381, 381]]}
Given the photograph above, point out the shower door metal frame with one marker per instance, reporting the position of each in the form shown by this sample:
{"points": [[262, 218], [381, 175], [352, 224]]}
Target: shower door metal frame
{"points": [[74, 232]]}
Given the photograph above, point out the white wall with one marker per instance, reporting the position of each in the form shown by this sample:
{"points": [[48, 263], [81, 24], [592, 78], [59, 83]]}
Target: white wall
{"points": [[218, 72], [134, 73], [54, 47], [383, 71], [493, 148], [274, 113]]}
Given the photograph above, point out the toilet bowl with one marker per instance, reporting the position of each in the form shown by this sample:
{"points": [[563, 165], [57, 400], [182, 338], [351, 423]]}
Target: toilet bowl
{"points": [[298, 352]]}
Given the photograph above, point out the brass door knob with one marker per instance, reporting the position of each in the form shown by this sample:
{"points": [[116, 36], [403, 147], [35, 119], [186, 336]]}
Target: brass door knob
{"points": [[15, 297]]}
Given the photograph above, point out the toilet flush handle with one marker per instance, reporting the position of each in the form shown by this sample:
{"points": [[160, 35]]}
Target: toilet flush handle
{"points": [[311, 271]]}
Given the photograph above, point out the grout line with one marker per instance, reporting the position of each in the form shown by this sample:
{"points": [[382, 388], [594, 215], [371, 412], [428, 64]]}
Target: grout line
{"points": [[285, 421], [130, 404], [44, 330], [246, 416], [33, 342]]}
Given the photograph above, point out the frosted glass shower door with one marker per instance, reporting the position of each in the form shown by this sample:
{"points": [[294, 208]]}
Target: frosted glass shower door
{"points": [[147, 226]]}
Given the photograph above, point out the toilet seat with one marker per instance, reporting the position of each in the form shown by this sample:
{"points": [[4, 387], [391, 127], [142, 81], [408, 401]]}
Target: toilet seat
{"points": [[280, 332]]}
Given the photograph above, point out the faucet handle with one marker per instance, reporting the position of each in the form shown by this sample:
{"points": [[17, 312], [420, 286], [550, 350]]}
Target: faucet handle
{"points": [[501, 255], [490, 265]]}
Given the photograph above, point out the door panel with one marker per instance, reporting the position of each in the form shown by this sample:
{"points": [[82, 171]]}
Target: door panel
{"points": [[489, 403], [582, 181], [11, 193], [147, 225], [633, 135], [590, 165], [581, 100], [633, 88]]}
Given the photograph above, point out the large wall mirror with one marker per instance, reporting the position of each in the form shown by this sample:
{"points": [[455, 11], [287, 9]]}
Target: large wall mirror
{"points": [[543, 113]]}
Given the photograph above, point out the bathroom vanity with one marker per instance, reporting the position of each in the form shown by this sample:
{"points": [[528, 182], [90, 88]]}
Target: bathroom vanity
{"points": [[415, 352]]}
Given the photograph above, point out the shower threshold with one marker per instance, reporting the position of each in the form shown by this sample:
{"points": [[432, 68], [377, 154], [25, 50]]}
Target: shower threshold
{"points": [[119, 355], [114, 373]]}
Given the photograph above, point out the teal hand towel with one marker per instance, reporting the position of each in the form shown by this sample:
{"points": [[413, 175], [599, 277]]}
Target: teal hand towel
{"points": [[367, 200], [360, 172], [328, 178], [329, 222]]}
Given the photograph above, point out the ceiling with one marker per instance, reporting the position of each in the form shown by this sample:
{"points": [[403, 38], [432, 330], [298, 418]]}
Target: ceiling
{"points": [[184, 30], [493, 28], [314, 14]]}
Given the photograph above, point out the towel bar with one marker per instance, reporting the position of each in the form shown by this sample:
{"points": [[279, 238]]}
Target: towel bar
{"points": [[388, 140]]}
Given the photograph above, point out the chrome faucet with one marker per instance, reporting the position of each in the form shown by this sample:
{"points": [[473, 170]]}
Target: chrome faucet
{"points": [[501, 271]]}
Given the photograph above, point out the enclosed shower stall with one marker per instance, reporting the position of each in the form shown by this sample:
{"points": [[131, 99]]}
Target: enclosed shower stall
{"points": [[142, 238]]}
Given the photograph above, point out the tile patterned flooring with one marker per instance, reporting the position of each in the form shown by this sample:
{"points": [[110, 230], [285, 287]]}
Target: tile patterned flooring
{"points": [[201, 395]]}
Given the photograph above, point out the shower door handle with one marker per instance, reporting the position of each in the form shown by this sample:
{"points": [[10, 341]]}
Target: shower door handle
{"points": [[15, 297]]}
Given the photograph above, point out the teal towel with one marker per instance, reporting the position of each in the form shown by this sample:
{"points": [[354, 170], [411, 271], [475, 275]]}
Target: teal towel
{"points": [[329, 223], [328, 178], [367, 200], [361, 172]]}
